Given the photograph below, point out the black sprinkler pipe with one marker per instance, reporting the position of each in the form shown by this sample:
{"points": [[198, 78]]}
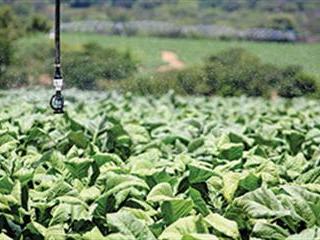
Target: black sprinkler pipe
{"points": [[57, 100]]}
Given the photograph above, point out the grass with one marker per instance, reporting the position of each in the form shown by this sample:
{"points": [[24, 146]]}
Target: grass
{"points": [[193, 51]]}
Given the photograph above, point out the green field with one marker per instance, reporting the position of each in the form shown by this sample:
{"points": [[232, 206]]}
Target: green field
{"points": [[193, 51], [121, 167]]}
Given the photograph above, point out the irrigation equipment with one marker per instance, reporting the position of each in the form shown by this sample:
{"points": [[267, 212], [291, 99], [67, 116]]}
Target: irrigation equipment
{"points": [[57, 100]]}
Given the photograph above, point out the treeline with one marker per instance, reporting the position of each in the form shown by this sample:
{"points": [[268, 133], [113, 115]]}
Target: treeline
{"points": [[227, 5], [300, 16]]}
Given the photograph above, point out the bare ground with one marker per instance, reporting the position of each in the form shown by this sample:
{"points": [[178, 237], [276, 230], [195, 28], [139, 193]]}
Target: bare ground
{"points": [[172, 60]]}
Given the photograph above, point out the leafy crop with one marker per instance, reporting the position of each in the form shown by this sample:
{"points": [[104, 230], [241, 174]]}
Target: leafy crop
{"points": [[118, 167]]}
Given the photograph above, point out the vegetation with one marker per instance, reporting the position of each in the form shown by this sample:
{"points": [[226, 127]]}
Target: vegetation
{"points": [[84, 68], [191, 51], [233, 72], [179, 168], [88, 65], [38, 23], [8, 22], [120, 166], [299, 16], [13, 27], [296, 15], [236, 72]]}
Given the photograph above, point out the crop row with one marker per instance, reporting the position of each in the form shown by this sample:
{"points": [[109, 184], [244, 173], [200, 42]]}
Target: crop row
{"points": [[120, 167]]}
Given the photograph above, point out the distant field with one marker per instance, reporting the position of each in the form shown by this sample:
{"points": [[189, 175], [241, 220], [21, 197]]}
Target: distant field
{"points": [[192, 51]]}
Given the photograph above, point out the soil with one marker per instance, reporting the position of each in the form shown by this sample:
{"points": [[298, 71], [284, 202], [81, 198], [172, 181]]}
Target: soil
{"points": [[172, 60]]}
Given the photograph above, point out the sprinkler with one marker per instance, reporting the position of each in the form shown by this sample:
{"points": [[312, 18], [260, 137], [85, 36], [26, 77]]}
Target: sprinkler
{"points": [[57, 101]]}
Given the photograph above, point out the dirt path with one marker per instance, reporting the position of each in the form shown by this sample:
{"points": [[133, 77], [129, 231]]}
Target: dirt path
{"points": [[172, 60]]}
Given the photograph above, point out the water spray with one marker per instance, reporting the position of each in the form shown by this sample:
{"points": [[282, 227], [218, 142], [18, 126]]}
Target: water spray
{"points": [[57, 101]]}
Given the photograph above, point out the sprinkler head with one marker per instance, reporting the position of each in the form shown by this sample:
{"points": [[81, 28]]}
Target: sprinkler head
{"points": [[57, 102]]}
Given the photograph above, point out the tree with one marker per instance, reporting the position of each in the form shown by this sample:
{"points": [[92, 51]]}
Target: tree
{"points": [[123, 3], [82, 3], [10, 26], [10, 29]]}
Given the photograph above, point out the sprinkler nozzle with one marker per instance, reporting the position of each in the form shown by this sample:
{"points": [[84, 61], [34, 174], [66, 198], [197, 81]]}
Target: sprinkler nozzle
{"points": [[57, 102]]}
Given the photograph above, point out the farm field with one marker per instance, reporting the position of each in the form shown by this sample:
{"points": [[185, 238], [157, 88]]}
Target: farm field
{"points": [[192, 51], [120, 167]]}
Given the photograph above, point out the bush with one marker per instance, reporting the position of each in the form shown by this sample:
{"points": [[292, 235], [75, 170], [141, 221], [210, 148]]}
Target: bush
{"points": [[193, 81], [232, 72], [5, 60], [38, 23], [282, 22], [10, 30], [6, 53], [29, 61], [14, 77], [83, 68], [10, 26], [157, 84], [80, 71], [236, 72], [296, 83]]}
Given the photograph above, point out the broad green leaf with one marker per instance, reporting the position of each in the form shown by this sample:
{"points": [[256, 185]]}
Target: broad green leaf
{"points": [[199, 204], [223, 225], [89, 194], [4, 237], [120, 186], [55, 233], [230, 184], [261, 203], [240, 138], [8, 147], [140, 214], [102, 158], [181, 161], [24, 175], [79, 139], [295, 140], [51, 233], [144, 164], [269, 231], [295, 165], [199, 172], [130, 226], [310, 233], [306, 204], [173, 209], [70, 208], [137, 133], [195, 144], [231, 151], [78, 167], [117, 236], [183, 226], [311, 176], [198, 236], [37, 228], [6, 184], [94, 234], [117, 182], [250, 182], [59, 188], [160, 192]]}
